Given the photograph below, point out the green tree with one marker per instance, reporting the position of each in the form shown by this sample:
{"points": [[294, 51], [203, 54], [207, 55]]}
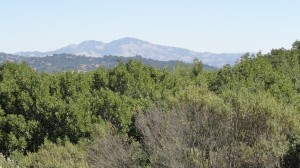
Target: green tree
{"points": [[296, 45]]}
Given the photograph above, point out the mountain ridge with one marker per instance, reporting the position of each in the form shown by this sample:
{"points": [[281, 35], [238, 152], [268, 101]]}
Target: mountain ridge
{"points": [[129, 47]]}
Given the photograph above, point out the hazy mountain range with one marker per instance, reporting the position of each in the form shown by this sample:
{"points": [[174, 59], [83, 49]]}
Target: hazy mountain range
{"points": [[129, 47]]}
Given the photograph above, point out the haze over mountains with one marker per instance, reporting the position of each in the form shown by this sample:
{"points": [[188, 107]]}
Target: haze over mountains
{"points": [[129, 47]]}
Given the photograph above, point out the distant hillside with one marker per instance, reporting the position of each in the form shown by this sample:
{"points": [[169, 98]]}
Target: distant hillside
{"points": [[129, 47], [63, 62]]}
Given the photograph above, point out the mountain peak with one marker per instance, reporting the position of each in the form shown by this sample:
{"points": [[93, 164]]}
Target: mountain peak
{"points": [[128, 40]]}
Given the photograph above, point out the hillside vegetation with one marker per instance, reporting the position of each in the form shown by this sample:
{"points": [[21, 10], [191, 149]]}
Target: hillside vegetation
{"points": [[135, 115], [64, 62]]}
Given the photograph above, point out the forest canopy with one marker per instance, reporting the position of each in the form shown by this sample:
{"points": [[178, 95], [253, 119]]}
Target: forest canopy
{"points": [[136, 115]]}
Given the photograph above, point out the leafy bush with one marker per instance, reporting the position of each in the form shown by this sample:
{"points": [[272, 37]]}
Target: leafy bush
{"points": [[54, 155], [7, 162]]}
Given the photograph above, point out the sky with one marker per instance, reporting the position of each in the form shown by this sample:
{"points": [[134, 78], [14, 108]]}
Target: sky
{"points": [[220, 26]]}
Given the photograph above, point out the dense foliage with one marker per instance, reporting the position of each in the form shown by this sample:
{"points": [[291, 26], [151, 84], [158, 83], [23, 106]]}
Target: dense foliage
{"points": [[135, 115]]}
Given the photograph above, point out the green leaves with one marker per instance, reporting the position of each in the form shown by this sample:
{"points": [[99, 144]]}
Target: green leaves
{"points": [[114, 108]]}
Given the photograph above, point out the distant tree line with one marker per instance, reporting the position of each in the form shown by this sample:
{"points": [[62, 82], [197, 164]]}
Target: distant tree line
{"points": [[64, 62]]}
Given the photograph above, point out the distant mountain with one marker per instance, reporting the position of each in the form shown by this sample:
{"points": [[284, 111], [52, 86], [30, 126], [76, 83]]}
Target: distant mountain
{"points": [[63, 62], [129, 47]]}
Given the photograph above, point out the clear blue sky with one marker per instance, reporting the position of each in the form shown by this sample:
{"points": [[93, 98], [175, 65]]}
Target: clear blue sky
{"points": [[201, 25]]}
